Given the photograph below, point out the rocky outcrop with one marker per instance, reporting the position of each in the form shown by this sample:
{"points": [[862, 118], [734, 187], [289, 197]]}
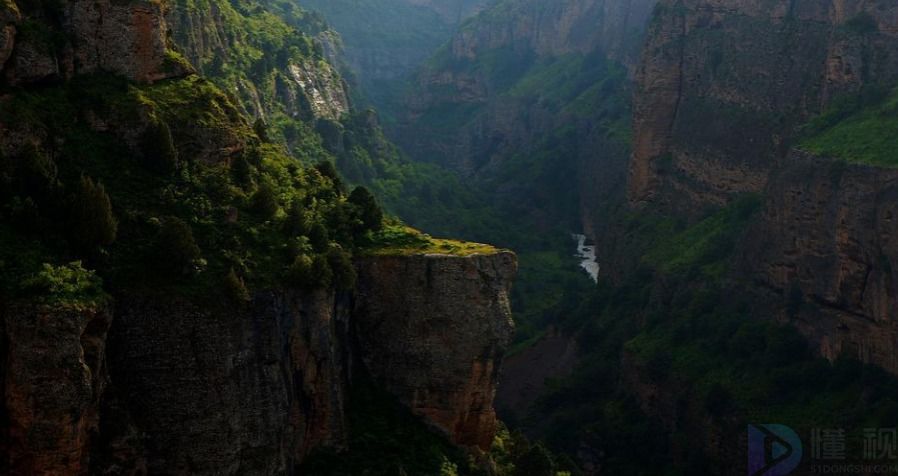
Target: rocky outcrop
{"points": [[322, 87], [723, 85], [54, 375], [432, 330], [823, 251], [88, 36]]}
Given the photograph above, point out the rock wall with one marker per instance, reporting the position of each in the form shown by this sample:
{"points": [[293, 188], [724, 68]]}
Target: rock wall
{"points": [[723, 84], [722, 89], [432, 330], [85, 36], [251, 390], [54, 374], [823, 253]]}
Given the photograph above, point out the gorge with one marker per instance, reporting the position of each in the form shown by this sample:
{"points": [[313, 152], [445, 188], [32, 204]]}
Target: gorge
{"points": [[211, 263]]}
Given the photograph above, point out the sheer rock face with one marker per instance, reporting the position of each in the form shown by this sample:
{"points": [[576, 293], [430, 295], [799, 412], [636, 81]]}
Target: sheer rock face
{"points": [[723, 84], [53, 377], [101, 36], [824, 250], [245, 392], [721, 91], [432, 330], [251, 389]]}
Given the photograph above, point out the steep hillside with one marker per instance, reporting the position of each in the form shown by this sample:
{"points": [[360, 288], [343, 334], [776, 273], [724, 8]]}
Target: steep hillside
{"points": [[180, 294]]}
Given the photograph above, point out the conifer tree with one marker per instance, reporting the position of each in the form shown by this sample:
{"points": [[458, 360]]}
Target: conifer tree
{"points": [[92, 222]]}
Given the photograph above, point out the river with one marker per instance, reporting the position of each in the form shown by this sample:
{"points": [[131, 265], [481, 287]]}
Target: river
{"points": [[587, 255]]}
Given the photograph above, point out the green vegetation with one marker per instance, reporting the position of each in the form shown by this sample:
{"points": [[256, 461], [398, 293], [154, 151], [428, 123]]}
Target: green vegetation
{"points": [[192, 223], [66, 286], [859, 129], [703, 245], [676, 324], [398, 239]]}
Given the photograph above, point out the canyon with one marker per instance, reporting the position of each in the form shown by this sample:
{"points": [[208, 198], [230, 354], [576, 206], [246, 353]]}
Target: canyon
{"points": [[708, 150]]}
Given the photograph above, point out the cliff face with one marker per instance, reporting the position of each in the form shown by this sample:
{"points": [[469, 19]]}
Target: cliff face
{"points": [[244, 392], [123, 38], [254, 390], [822, 252], [212, 33], [450, 314], [54, 374], [557, 28], [722, 86], [722, 91]]}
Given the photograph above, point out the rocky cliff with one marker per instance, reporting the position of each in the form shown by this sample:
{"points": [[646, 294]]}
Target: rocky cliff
{"points": [[123, 38], [723, 93], [54, 375], [273, 82], [253, 390], [723, 85], [822, 253], [408, 314]]}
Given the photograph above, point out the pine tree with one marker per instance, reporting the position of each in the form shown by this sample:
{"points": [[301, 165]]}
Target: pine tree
{"points": [[93, 224]]}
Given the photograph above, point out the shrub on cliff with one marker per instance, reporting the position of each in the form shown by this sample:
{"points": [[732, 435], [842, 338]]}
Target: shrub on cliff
{"points": [[261, 130], [65, 285], [36, 173], [92, 222], [298, 221]]}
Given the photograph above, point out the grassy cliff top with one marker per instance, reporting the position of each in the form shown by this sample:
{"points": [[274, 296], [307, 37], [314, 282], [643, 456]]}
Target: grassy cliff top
{"points": [[399, 239], [859, 130]]}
